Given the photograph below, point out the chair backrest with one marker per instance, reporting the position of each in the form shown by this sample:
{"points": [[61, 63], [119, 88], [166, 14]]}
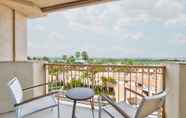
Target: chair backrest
{"points": [[16, 90], [150, 104]]}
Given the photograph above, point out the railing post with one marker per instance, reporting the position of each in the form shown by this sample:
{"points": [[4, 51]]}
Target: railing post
{"points": [[46, 78], [125, 93], [164, 87]]}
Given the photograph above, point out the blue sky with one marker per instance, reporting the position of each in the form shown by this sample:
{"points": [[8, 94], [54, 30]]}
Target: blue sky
{"points": [[128, 28]]}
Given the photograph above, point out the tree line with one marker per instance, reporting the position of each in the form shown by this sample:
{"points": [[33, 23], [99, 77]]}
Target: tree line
{"points": [[82, 57], [78, 57]]}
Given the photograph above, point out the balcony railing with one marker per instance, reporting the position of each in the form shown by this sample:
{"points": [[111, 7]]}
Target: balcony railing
{"points": [[121, 82], [129, 83]]}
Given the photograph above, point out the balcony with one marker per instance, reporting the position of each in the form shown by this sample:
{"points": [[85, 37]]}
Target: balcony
{"points": [[120, 82]]}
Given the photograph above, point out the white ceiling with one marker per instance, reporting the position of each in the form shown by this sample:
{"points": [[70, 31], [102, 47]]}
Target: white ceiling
{"points": [[46, 3], [36, 8]]}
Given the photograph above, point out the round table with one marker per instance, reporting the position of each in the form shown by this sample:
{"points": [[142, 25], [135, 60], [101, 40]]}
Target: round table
{"points": [[80, 94]]}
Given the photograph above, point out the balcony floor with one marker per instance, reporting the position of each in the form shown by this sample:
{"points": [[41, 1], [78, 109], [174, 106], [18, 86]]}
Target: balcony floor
{"points": [[65, 111]]}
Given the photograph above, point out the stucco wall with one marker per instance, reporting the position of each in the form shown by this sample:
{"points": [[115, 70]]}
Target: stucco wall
{"points": [[183, 91], [175, 84], [6, 35], [29, 73], [21, 37], [172, 85], [39, 77]]}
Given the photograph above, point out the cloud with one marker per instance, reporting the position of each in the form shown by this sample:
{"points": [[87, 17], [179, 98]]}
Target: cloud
{"points": [[39, 27], [95, 18], [122, 24], [145, 11], [167, 9], [181, 39], [135, 36], [55, 36], [120, 15], [130, 35], [179, 20]]}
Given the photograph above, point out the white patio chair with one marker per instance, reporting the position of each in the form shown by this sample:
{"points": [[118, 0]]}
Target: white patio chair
{"points": [[148, 105], [33, 105]]}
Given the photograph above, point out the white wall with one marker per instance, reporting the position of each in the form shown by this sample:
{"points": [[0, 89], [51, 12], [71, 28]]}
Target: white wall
{"points": [[21, 37], [29, 73], [182, 91], [39, 77], [6, 35], [176, 86]]}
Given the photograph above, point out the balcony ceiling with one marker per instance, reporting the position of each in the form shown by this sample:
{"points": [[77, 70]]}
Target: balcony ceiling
{"points": [[36, 8]]}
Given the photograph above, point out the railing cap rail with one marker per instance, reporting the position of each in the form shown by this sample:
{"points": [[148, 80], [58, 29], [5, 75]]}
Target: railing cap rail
{"points": [[107, 65]]}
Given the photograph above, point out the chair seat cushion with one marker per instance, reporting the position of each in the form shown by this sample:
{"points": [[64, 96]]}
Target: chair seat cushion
{"points": [[37, 105], [128, 109]]}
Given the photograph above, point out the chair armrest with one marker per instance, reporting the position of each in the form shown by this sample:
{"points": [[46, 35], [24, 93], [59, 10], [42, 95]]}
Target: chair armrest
{"points": [[35, 98], [113, 104], [132, 91], [32, 87]]}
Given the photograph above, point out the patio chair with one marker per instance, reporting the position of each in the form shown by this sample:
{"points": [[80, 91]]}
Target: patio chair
{"points": [[148, 105], [33, 105]]}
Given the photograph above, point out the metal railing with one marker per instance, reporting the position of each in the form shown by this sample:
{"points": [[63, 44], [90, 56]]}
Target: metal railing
{"points": [[128, 83], [121, 82]]}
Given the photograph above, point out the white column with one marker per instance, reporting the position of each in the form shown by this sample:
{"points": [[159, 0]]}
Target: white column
{"points": [[20, 37], [182, 91], [176, 86], [6, 35], [13, 56]]}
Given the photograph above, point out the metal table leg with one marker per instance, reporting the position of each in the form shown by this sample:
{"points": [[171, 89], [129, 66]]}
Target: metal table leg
{"points": [[74, 109], [58, 109], [92, 107]]}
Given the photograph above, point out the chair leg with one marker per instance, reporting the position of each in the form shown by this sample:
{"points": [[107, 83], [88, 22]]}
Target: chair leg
{"points": [[18, 113], [74, 109], [109, 113], [58, 112], [100, 107], [58, 109], [52, 109], [92, 107], [159, 113]]}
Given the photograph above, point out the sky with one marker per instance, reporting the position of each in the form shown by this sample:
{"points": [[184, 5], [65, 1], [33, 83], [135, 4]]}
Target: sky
{"points": [[120, 29]]}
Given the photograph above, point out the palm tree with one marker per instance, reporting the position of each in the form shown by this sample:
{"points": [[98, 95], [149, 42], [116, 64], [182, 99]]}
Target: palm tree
{"points": [[84, 55], [77, 55], [71, 60], [108, 81], [64, 58], [46, 58]]}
